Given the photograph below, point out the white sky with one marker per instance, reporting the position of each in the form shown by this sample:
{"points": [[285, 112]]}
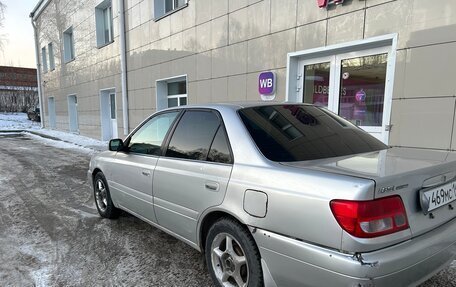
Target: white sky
{"points": [[19, 49]]}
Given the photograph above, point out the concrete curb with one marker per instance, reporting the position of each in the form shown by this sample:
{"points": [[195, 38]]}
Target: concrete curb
{"points": [[11, 131], [47, 136]]}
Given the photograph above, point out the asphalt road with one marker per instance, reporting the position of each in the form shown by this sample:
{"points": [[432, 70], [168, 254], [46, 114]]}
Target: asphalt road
{"points": [[51, 234]]}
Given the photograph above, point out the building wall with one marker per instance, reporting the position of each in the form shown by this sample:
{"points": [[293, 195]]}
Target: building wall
{"points": [[92, 70], [424, 92], [223, 45]]}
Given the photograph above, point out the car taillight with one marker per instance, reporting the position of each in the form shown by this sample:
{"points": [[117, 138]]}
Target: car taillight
{"points": [[373, 218]]}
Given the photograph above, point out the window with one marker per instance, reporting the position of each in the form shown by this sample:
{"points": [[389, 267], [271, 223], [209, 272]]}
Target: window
{"points": [[300, 132], [104, 27], [353, 85], [171, 5], [112, 99], [163, 7], [362, 86], [51, 57], [149, 138], [177, 94], [193, 135], [172, 92], [220, 151], [68, 45], [44, 59]]}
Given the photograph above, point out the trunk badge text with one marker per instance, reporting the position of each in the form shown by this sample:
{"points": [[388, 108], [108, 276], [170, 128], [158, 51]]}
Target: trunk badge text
{"points": [[392, 188], [387, 189]]}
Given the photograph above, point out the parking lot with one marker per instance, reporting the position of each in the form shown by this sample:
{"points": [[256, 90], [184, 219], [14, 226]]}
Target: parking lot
{"points": [[51, 234]]}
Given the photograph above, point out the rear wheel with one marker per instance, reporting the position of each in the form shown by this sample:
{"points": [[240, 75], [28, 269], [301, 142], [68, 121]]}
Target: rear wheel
{"points": [[102, 196], [232, 256]]}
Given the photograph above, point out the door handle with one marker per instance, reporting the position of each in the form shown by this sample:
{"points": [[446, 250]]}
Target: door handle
{"points": [[145, 172], [214, 186]]}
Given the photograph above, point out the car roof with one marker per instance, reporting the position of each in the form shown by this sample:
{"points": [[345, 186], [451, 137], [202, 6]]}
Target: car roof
{"points": [[235, 105]]}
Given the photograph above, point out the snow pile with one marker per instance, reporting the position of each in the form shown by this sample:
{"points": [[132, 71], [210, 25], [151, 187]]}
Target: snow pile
{"points": [[17, 121]]}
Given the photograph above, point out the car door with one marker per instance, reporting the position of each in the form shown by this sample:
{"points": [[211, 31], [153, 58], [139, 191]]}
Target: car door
{"points": [[132, 171], [194, 172]]}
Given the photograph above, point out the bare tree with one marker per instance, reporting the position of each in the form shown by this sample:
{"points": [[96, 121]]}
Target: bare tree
{"points": [[2, 18]]}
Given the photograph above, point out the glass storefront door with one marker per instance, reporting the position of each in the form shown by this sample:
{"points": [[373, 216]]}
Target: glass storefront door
{"points": [[352, 85], [317, 78]]}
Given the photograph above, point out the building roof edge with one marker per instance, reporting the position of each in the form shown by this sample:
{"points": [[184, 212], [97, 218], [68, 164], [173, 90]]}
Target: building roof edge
{"points": [[38, 9]]}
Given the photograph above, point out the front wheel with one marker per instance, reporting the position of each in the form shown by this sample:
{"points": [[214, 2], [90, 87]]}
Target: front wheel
{"points": [[102, 196], [232, 256]]}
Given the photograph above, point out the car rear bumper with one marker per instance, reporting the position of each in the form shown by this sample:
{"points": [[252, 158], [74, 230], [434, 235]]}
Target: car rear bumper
{"points": [[290, 262]]}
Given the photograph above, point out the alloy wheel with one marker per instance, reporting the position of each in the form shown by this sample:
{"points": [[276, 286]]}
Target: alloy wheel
{"points": [[229, 261], [101, 195]]}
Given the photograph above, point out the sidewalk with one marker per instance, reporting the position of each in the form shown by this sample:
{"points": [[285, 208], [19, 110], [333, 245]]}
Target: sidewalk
{"points": [[18, 123], [69, 138]]}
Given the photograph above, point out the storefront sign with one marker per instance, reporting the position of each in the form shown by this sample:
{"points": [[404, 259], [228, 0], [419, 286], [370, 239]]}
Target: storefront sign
{"points": [[326, 3], [360, 96], [267, 86]]}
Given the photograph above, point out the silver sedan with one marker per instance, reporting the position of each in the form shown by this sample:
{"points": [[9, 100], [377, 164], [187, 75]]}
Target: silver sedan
{"points": [[284, 195]]}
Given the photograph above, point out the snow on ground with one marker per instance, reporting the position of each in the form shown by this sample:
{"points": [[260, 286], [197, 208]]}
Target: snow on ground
{"points": [[74, 144], [70, 140], [59, 139], [17, 121]]}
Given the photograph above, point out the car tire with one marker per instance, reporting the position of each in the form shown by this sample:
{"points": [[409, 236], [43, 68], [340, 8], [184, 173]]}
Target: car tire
{"points": [[232, 256], [102, 197]]}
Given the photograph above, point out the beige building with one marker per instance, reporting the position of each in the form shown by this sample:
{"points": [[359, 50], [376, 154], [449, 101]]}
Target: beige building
{"points": [[388, 66]]}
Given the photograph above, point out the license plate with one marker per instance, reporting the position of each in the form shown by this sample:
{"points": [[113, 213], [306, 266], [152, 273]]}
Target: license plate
{"points": [[439, 196]]}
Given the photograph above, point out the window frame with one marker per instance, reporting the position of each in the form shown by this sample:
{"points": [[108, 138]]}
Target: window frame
{"points": [[222, 124], [44, 63], [162, 93], [68, 34], [353, 47], [100, 24], [177, 96], [164, 13], [171, 128], [51, 56], [170, 133], [113, 106]]}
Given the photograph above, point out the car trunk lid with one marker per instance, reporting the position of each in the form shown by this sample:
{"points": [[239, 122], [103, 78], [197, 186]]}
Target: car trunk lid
{"points": [[405, 172]]}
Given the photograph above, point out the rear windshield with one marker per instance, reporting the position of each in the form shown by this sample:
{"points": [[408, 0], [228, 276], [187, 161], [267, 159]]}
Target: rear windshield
{"points": [[287, 133]]}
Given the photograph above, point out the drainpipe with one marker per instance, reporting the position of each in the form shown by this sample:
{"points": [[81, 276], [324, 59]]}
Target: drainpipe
{"points": [[123, 66], [38, 69]]}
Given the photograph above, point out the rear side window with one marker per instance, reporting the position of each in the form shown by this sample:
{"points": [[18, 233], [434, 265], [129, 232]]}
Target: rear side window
{"points": [[286, 133], [220, 151], [193, 135]]}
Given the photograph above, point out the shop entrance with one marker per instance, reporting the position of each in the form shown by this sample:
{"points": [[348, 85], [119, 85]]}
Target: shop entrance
{"points": [[353, 80], [352, 85]]}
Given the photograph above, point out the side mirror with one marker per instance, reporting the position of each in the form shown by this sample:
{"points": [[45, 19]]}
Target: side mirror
{"points": [[116, 145]]}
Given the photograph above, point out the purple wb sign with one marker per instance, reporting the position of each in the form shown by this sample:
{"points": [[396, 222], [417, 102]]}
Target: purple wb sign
{"points": [[267, 85]]}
